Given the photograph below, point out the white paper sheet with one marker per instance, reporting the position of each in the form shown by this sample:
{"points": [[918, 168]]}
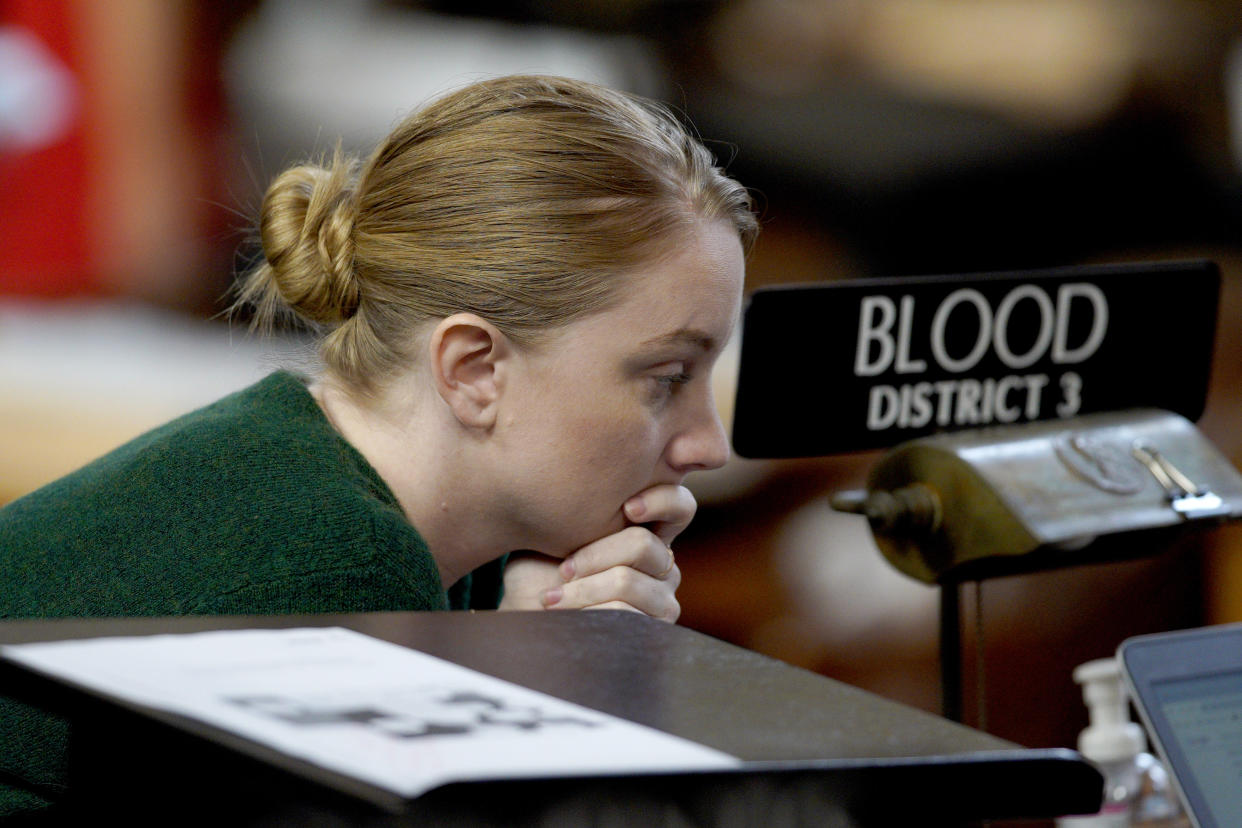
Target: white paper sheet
{"points": [[397, 718]]}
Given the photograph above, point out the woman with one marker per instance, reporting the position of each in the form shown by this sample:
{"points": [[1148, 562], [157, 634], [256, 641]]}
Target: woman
{"points": [[521, 296]]}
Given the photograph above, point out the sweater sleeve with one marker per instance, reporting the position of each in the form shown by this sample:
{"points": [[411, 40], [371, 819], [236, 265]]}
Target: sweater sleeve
{"points": [[381, 570]]}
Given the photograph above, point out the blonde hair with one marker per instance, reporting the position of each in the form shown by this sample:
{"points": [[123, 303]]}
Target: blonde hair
{"points": [[520, 199]]}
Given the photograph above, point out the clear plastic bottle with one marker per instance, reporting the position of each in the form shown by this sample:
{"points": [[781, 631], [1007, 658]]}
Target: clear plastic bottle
{"points": [[1137, 790]]}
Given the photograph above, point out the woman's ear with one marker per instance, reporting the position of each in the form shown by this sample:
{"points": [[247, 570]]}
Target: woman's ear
{"points": [[468, 359]]}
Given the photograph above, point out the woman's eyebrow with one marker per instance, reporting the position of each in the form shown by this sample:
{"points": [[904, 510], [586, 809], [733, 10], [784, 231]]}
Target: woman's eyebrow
{"points": [[689, 336]]}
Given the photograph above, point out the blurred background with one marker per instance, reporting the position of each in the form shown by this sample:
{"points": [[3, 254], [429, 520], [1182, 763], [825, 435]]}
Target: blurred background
{"points": [[881, 137]]}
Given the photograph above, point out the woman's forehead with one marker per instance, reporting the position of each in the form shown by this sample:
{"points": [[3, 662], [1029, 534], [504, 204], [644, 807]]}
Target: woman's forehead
{"points": [[691, 308]]}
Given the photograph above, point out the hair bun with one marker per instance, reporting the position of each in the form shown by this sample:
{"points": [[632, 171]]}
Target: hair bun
{"points": [[306, 229]]}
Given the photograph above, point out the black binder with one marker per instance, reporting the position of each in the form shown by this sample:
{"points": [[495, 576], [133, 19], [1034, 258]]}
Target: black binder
{"points": [[815, 751]]}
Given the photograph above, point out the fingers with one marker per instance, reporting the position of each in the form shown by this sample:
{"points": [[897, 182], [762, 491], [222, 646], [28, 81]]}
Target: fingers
{"points": [[665, 509], [635, 547], [620, 588], [633, 567], [528, 576]]}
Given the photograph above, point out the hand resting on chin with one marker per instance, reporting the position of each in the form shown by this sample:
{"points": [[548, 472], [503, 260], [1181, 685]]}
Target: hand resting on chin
{"points": [[632, 569]]}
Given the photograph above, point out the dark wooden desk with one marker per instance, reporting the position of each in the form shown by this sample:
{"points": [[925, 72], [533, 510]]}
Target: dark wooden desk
{"points": [[816, 750]]}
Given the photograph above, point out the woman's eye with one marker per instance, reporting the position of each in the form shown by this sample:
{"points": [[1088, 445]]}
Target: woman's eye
{"points": [[672, 381]]}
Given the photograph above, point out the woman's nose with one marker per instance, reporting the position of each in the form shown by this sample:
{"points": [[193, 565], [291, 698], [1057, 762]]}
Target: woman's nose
{"points": [[702, 444]]}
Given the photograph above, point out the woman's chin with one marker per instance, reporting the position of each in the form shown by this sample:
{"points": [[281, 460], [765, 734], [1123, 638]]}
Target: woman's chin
{"points": [[588, 536]]}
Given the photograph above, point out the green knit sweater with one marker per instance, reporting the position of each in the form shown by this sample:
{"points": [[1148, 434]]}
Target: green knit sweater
{"points": [[252, 505]]}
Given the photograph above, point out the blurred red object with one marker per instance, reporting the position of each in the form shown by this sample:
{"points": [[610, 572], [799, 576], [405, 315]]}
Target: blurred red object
{"points": [[45, 248]]}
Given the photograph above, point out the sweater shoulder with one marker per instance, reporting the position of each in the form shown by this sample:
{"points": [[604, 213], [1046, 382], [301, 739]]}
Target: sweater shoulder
{"points": [[272, 430], [255, 489]]}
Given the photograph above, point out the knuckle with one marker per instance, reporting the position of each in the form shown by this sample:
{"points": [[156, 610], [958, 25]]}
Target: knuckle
{"points": [[626, 579], [639, 542], [672, 612], [689, 504], [667, 609], [636, 534], [611, 584]]}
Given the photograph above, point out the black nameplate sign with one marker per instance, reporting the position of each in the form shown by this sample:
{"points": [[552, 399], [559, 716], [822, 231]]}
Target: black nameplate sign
{"points": [[845, 366]]}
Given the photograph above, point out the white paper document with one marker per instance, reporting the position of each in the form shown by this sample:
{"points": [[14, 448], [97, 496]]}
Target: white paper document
{"points": [[396, 718]]}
